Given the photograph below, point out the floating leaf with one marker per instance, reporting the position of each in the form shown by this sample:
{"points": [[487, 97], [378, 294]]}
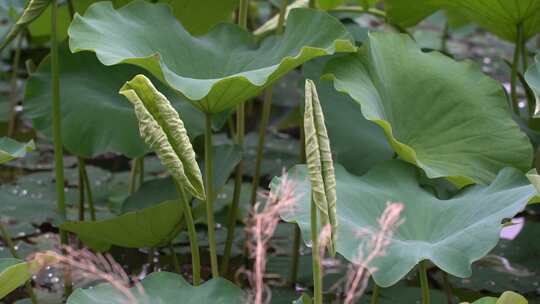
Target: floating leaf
{"points": [[164, 288], [149, 227], [11, 149], [32, 11], [319, 161], [452, 129], [13, 273], [451, 233], [163, 130], [228, 68], [88, 85]]}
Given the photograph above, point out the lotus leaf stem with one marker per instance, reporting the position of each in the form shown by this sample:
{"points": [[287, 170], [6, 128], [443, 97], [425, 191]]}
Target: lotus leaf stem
{"points": [[316, 258], [176, 262], [293, 274], [80, 165], [424, 284], [88, 191], [210, 195], [192, 233], [515, 68], [57, 138], [14, 87]]}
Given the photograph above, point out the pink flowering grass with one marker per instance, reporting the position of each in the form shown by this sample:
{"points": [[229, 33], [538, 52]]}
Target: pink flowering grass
{"points": [[375, 246], [262, 225]]}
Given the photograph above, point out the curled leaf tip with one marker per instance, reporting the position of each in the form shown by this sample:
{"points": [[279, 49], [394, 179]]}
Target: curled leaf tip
{"points": [[319, 161], [163, 130]]}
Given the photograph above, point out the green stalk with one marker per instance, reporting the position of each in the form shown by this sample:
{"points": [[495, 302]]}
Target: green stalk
{"points": [[297, 234], [192, 233], [57, 137], [317, 278], [312, 4], [56, 113], [447, 287], [71, 8], [176, 262], [267, 108], [13, 86], [80, 164], [210, 195], [11, 247], [141, 170], [293, 274], [375, 295], [88, 190], [240, 133], [136, 170], [445, 37], [424, 284], [243, 13], [233, 210], [515, 68], [524, 52]]}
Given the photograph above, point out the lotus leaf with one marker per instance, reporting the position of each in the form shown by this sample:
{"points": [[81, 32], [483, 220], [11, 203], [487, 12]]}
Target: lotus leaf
{"points": [[500, 17], [148, 227], [164, 288], [452, 129], [450, 233], [228, 68], [92, 109]]}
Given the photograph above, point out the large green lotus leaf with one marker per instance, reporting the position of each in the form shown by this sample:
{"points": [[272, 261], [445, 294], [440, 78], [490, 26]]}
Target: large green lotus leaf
{"points": [[431, 114], [451, 233], [357, 143], [11, 149], [95, 118], [149, 227], [13, 273], [164, 288], [216, 71], [500, 17]]}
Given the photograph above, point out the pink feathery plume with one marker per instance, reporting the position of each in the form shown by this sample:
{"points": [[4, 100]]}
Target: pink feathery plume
{"points": [[358, 274], [86, 267], [261, 228]]}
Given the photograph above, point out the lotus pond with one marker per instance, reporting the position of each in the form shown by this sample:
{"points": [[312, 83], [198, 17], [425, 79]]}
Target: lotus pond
{"points": [[269, 151]]}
